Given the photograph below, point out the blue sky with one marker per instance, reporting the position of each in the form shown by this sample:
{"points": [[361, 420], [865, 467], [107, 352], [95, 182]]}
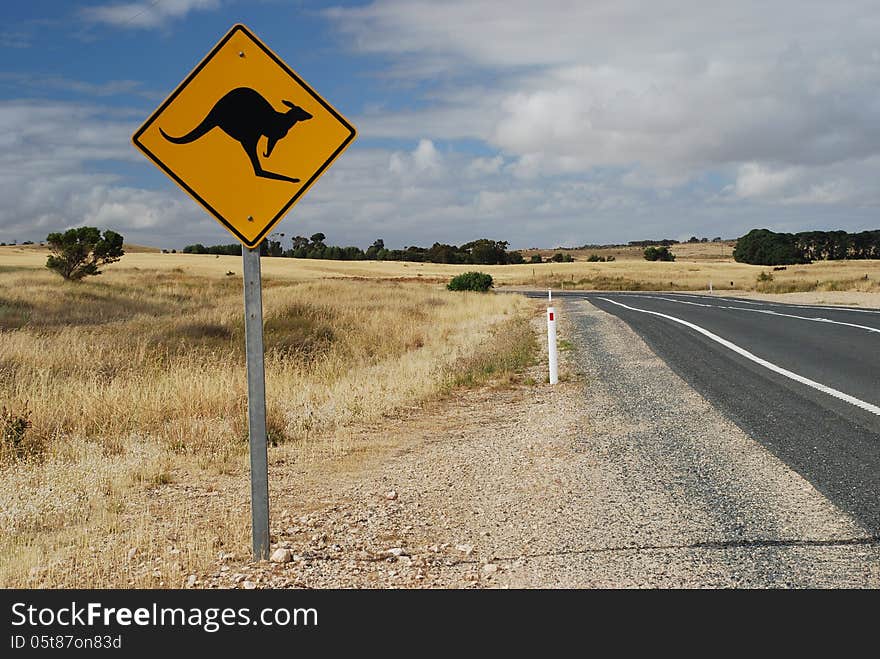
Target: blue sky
{"points": [[544, 124]]}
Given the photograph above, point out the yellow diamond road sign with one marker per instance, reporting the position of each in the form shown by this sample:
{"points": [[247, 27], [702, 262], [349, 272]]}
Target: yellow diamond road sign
{"points": [[244, 135]]}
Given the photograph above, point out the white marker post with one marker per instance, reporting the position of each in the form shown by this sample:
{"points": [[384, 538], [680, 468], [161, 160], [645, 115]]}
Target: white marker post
{"points": [[551, 340], [710, 286]]}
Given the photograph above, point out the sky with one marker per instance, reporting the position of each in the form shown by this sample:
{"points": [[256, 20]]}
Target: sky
{"points": [[551, 123]]}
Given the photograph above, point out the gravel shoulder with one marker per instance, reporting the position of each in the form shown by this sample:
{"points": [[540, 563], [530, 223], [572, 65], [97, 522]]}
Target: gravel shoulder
{"points": [[621, 476]]}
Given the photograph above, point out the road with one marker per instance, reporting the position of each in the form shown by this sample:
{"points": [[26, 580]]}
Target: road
{"points": [[803, 380]]}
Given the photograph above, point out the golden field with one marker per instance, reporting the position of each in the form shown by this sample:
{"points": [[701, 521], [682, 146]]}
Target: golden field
{"points": [[685, 251], [129, 382], [695, 267]]}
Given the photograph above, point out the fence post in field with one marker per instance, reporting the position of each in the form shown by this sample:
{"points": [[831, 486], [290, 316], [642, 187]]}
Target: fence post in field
{"points": [[253, 329], [551, 340]]}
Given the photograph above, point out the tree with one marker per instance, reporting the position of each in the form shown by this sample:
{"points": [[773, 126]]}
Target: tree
{"points": [[536, 258], [486, 252], [441, 253], [273, 247], [79, 252], [765, 247], [318, 238], [661, 253], [374, 249]]}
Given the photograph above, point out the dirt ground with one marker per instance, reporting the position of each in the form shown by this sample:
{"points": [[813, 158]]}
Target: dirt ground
{"points": [[620, 476]]}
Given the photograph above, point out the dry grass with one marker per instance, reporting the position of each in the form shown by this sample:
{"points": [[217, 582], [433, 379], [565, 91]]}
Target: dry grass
{"points": [[135, 381], [685, 251], [695, 267]]}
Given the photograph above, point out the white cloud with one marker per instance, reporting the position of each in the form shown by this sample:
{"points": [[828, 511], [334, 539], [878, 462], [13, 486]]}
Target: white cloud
{"points": [[666, 91], [479, 167], [64, 165], [593, 122], [423, 161], [425, 156], [683, 34], [42, 83], [372, 193], [757, 181], [851, 182], [49, 182], [145, 15]]}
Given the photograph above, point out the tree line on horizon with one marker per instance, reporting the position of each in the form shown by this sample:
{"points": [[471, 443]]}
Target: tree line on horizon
{"points": [[477, 252], [757, 247], [765, 247]]}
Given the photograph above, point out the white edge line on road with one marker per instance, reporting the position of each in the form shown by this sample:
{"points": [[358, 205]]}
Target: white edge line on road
{"points": [[766, 311], [852, 400], [776, 304]]}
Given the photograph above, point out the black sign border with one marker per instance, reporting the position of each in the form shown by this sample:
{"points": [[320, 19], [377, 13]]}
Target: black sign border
{"points": [[238, 27]]}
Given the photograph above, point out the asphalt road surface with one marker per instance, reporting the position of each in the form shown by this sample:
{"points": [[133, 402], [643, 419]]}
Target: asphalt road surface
{"points": [[803, 380]]}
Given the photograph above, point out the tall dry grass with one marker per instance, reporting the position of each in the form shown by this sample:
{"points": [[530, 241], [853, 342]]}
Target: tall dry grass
{"points": [[133, 378]]}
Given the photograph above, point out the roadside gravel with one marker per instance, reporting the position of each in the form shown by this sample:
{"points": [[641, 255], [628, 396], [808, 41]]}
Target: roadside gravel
{"points": [[621, 476]]}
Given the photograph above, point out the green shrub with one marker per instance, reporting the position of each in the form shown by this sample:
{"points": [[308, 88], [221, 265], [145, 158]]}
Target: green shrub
{"points": [[658, 254], [471, 281]]}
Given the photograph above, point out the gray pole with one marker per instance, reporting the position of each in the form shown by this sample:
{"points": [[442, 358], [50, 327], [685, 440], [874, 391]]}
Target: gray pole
{"points": [[253, 327]]}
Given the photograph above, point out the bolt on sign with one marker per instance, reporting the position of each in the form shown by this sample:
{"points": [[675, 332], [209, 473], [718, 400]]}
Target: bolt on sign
{"points": [[244, 135]]}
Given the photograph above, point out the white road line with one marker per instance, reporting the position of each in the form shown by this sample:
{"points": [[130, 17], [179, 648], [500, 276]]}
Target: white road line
{"points": [[719, 297], [873, 409], [766, 311], [779, 304]]}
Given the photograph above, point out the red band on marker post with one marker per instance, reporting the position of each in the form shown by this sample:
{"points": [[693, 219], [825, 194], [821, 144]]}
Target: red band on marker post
{"points": [[551, 315]]}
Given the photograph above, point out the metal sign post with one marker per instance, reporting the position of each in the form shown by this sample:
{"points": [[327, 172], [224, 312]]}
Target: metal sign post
{"points": [[253, 328]]}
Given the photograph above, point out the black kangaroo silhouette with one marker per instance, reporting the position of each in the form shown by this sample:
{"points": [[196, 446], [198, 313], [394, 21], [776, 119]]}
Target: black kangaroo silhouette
{"points": [[246, 116]]}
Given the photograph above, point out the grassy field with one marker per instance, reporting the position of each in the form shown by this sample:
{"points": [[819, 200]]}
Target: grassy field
{"points": [[719, 251], [696, 266], [134, 380]]}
